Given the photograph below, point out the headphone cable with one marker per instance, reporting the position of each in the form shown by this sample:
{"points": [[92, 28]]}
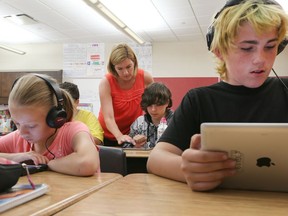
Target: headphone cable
{"points": [[47, 146], [280, 79]]}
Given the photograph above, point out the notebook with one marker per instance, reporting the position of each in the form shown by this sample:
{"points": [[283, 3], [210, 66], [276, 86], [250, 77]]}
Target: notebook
{"points": [[20, 194], [260, 151]]}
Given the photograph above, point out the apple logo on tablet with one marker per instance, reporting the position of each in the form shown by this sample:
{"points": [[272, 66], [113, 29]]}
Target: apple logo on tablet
{"points": [[264, 161]]}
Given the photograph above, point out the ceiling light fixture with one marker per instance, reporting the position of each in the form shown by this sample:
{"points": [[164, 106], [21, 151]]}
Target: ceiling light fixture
{"points": [[21, 19], [108, 15], [12, 50]]}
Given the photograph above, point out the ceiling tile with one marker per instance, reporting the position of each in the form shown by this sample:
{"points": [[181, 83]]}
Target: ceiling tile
{"points": [[63, 21]]}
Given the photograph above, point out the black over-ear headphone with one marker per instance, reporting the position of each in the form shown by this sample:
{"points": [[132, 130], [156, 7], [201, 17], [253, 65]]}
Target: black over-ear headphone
{"points": [[56, 116], [230, 3]]}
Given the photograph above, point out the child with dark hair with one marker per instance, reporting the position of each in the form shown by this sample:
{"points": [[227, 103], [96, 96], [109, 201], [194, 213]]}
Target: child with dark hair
{"points": [[156, 103], [85, 116]]}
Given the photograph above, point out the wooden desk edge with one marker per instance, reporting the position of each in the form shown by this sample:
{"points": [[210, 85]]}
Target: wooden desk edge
{"points": [[73, 199], [137, 153]]}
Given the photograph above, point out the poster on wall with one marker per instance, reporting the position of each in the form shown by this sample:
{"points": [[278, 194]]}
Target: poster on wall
{"points": [[83, 60], [144, 55], [89, 93]]}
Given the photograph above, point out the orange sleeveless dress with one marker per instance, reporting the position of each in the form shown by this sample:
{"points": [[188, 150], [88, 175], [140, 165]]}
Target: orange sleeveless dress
{"points": [[126, 104]]}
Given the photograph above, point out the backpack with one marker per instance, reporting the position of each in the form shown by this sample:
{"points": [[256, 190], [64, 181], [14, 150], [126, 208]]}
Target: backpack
{"points": [[9, 175]]}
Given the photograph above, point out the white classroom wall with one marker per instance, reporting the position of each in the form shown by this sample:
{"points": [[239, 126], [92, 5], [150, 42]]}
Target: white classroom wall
{"points": [[171, 59]]}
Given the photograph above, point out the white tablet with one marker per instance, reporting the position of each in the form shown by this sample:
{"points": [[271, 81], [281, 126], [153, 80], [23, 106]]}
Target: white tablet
{"points": [[260, 149]]}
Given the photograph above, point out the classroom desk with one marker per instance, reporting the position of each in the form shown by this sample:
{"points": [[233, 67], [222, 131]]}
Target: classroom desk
{"points": [[147, 194], [136, 160], [137, 153], [64, 190]]}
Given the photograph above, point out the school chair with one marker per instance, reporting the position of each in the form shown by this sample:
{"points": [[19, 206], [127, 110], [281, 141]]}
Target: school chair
{"points": [[112, 160]]}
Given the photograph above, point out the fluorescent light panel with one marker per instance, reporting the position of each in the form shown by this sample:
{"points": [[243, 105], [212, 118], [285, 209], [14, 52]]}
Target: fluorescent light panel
{"points": [[134, 18], [12, 49], [130, 32], [106, 13], [12, 33], [110, 15]]}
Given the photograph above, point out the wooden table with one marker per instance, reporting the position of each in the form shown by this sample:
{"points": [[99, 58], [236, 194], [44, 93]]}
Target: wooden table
{"points": [[147, 194], [64, 190], [136, 160], [137, 153]]}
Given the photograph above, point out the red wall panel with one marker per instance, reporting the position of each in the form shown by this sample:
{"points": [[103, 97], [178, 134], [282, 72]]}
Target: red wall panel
{"points": [[179, 86]]}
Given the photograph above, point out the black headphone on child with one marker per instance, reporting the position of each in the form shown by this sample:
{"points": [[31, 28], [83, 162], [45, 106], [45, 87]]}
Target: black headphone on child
{"points": [[56, 116], [230, 3]]}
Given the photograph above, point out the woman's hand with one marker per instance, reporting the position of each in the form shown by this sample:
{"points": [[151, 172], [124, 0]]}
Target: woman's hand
{"points": [[205, 170], [125, 138]]}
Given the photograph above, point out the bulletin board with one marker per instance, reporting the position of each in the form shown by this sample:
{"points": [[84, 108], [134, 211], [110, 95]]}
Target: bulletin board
{"points": [[84, 60], [144, 55], [89, 92]]}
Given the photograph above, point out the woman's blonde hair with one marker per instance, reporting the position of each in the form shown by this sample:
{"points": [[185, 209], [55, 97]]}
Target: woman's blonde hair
{"points": [[118, 54], [31, 90], [263, 16]]}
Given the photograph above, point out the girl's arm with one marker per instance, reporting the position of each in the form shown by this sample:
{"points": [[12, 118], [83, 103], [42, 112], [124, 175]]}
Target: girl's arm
{"points": [[12, 147], [84, 161], [23, 156]]}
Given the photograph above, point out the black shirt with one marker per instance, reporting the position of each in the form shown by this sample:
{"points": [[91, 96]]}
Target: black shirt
{"points": [[223, 102]]}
